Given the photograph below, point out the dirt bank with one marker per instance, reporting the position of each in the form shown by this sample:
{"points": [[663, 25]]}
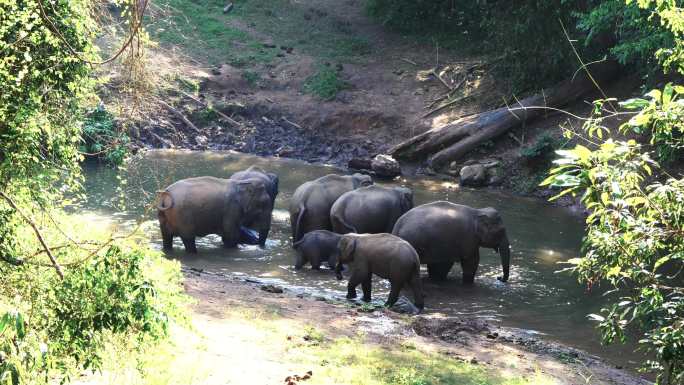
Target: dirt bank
{"points": [[502, 352]]}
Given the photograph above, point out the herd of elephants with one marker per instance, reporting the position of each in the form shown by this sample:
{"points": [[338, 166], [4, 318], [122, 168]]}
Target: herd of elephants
{"points": [[341, 219]]}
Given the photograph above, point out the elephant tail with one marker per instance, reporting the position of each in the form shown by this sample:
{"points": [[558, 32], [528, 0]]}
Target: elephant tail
{"points": [[296, 244], [165, 200], [341, 221], [298, 225]]}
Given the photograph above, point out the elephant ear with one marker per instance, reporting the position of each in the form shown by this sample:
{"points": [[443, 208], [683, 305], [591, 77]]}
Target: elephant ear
{"points": [[489, 225], [347, 246], [248, 193]]}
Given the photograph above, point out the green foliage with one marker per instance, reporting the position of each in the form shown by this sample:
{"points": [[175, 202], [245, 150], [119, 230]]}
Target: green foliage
{"points": [[660, 117], [43, 86], [542, 148], [646, 32], [63, 293], [532, 49], [102, 138], [634, 233], [325, 83], [251, 77]]}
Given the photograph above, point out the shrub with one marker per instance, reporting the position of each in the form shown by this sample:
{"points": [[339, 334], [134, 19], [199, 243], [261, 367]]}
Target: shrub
{"points": [[102, 138], [325, 83], [634, 232]]}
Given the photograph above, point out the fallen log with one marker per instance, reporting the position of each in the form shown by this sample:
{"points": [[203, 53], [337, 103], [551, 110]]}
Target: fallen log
{"points": [[453, 141]]}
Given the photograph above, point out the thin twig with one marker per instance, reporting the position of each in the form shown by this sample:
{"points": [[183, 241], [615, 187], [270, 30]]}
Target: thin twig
{"points": [[409, 61], [55, 264]]}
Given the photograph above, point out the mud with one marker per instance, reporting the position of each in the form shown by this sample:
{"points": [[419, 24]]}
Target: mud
{"points": [[477, 342]]}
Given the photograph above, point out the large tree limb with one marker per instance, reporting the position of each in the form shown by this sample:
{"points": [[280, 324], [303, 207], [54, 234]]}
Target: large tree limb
{"points": [[444, 144]]}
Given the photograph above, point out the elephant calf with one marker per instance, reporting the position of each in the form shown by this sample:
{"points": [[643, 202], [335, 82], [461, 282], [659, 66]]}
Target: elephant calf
{"points": [[384, 255], [315, 247]]}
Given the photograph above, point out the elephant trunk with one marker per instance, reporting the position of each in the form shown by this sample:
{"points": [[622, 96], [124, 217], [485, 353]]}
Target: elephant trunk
{"points": [[505, 252]]}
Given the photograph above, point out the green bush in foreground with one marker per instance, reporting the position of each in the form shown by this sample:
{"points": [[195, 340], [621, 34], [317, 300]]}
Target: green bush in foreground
{"points": [[634, 236], [66, 289]]}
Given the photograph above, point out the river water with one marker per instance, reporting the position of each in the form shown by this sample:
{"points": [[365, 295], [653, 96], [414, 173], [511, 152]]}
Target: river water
{"points": [[536, 298]]}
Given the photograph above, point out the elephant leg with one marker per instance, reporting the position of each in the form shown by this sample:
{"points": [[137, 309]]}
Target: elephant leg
{"points": [[354, 281], [189, 244], [366, 286], [417, 287], [315, 261], [469, 266], [299, 262], [263, 234], [167, 239], [395, 288], [439, 271]]}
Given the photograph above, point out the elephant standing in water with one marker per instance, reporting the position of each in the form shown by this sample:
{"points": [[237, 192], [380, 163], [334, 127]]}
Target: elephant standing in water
{"points": [[315, 247], [311, 202], [372, 209], [270, 180], [443, 233], [206, 205], [384, 255]]}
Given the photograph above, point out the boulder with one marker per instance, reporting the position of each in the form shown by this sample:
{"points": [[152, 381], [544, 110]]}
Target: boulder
{"points": [[359, 164], [404, 306], [385, 166], [473, 175]]}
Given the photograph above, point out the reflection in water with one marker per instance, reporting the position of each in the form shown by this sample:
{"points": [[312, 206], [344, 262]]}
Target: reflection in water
{"points": [[535, 298]]}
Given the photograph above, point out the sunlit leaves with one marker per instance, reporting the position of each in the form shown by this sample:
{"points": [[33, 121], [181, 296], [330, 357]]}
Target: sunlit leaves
{"points": [[635, 229]]}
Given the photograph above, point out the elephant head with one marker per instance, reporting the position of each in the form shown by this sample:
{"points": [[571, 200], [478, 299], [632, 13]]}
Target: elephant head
{"points": [[255, 203], [491, 233], [361, 180], [345, 254], [274, 184], [405, 198]]}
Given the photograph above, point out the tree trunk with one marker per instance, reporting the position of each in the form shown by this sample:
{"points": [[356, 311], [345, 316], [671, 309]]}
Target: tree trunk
{"points": [[451, 142]]}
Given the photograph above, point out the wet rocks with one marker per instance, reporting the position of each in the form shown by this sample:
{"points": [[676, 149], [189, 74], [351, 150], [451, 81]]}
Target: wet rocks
{"points": [[272, 289], [474, 175], [478, 174], [385, 166], [404, 306]]}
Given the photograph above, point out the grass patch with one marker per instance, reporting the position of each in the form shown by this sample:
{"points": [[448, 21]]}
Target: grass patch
{"points": [[325, 83], [200, 28]]}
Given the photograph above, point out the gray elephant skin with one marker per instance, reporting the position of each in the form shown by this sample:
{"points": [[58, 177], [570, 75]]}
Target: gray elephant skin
{"points": [[311, 202], [269, 180], [255, 172], [315, 247], [370, 210], [443, 233], [384, 255], [206, 205]]}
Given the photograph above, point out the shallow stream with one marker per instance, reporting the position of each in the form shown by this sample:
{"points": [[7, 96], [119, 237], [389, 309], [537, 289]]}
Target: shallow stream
{"points": [[536, 298]]}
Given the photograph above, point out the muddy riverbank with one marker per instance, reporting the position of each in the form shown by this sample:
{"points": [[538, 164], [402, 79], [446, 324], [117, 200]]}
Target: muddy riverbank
{"points": [[511, 351]]}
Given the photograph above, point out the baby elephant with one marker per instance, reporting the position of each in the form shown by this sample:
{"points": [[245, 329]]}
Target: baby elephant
{"points": [[384, 255], [316, 246]]}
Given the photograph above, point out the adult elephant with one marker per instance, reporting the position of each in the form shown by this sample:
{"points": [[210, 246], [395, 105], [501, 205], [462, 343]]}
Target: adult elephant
{"points": [[443, 233], [206, 205], [255, 172], [370, 210], [311, 202], [269, 180]]}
